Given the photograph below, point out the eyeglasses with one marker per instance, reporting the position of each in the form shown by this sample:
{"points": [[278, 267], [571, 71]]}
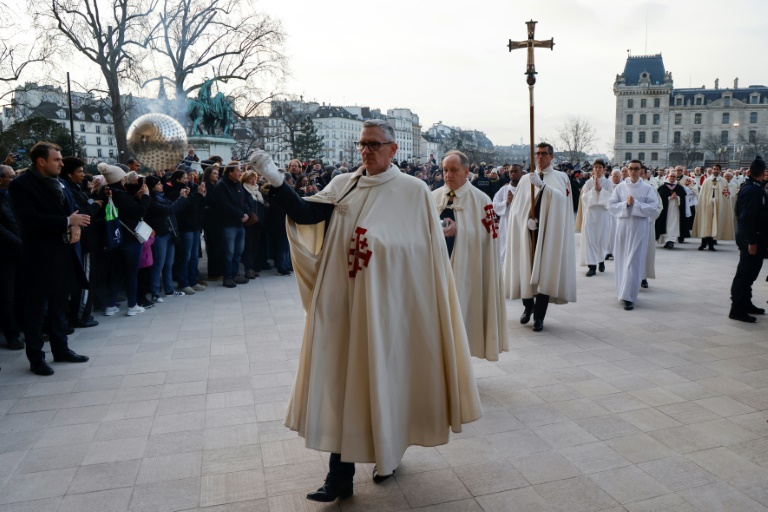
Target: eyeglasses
{"points": [[373, 146], [540, 153]]}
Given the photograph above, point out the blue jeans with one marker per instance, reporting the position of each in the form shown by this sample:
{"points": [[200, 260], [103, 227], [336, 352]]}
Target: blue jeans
{"points": [[162, 253], [234, 243], [189, 259]]}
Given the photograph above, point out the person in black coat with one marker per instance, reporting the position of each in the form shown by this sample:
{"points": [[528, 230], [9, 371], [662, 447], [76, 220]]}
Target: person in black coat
{"points": [[50, 227], [10, 265], [189, 218], [671, 190], [214, 234], [231, 207], [162, 218], [81, 300]]}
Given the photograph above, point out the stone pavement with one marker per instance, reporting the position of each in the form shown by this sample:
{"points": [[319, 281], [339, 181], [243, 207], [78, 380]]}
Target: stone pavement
{"points": [[180, 409]]}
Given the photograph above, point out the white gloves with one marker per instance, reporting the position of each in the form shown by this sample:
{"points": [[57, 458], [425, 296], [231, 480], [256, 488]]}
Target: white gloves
{"points": [[535, 179], [264, 166], [533, 224]]}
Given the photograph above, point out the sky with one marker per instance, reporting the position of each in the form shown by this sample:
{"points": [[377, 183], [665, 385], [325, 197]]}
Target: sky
{"points": [[448, 61]]}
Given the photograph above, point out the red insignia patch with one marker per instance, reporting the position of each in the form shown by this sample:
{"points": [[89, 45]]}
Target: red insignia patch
{"points": [[358, 252], [491, 221]]}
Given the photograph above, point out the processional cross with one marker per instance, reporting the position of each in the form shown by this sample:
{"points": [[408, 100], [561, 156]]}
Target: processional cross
{"points": [[530, 44]]}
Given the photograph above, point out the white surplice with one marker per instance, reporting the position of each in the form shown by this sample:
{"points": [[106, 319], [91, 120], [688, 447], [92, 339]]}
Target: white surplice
{"points": [[477, 269], [630, 244], [385, 362], [650, 256], [596, 224], [500, 207]]}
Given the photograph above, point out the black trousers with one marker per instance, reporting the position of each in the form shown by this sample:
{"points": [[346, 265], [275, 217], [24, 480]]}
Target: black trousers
{"points": [[339, 472], [10, 298], [746, 273], [81, 300], [35, 316], [539, 305]]}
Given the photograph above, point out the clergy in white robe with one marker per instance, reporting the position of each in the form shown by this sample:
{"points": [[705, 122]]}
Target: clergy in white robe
{"points": [[540, 266], [385, 361], [596, 221], [669, 226], [733, 190], [502, 202], [632, 203], [715, 219], [615, 180], [474, 257]]}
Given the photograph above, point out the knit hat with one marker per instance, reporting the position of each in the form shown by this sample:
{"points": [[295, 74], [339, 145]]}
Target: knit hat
{"points": [[112, 174], [757, 166], [151, 181]]}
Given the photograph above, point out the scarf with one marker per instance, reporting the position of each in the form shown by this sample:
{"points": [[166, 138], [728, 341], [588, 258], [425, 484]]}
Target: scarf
{"points": [[255, 192]]}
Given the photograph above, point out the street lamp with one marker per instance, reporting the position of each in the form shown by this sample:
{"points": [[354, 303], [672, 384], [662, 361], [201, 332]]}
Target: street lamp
{"points": [[736, 129]]}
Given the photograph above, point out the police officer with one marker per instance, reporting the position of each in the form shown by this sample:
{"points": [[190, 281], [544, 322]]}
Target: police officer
{"points": [[751, 236]]}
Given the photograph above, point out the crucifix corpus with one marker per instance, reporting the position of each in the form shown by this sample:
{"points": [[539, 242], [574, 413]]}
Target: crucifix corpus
{"points": [[530, 44]]}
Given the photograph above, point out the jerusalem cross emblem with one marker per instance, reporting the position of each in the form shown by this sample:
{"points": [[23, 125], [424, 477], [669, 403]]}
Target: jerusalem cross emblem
{"points": [[358, 252], [491, 221]]}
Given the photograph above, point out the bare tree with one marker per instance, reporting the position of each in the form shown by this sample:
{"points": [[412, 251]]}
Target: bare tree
{"points": [[112, 40], [754, 144], [577, 136], [685, 152], [290, 115], [224, 40]]}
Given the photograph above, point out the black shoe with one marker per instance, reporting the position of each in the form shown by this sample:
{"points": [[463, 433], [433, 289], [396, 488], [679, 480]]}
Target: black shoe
{"points": [[41, 368], [377, 478], [70, 357], [644, 283], [85, 324], [628, 306], [241, 280], [591, 272], [751, 309], [70, 330], [329, 492], [601, 267], [680, 240], [16, 344], [608, 257], [146, 304], [669, 245], [526, 316], [283, 273], [742, 317], [702, 247], [712, 248], [538, 325], [229, 283]]}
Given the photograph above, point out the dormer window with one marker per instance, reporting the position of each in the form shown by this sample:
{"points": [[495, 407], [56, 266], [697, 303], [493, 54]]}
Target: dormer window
{"points": [[727, 101], [96, 117], [679, 101]]}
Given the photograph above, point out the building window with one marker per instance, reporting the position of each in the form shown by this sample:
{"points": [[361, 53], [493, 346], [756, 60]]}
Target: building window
{"points": [[111, 141], [630, 119], [641, 156], [754, 99], [628, 138], [656, 119], [752, 136], [697, 119], [98, 129], [697, 137], [641, 138], [654, 157], [111, 153], [643, 119], [678, 102], [643, 103], [656, 103], [753, 117], [727, 102], [630, 103], [82, 140], [678, 118], [627, 156], [109, 130], [724, 137], [676, 138], [655, 137], [98, 141], [82, 127], [699, 101], [98, 153], [726, 118]]}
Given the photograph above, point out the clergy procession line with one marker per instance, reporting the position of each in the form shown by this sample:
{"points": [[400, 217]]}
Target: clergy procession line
{"points": [[442, 263]]}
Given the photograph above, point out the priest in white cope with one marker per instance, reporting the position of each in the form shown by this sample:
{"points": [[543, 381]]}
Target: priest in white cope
{"points": [[714, 220], [632, 203], [596, 229], [501, 205], [472, 239], [540, 266], [385, 361]]}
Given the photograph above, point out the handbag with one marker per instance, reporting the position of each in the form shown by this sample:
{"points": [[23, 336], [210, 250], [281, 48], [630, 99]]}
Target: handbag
{"points": [[147, 260], [142, 232], [112, 233]]}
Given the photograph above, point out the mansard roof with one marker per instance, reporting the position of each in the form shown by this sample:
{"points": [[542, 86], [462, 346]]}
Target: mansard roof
{"points": [[637, 65]]}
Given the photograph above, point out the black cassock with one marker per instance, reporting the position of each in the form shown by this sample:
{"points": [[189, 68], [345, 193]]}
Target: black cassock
{"points": [[661, 223]]}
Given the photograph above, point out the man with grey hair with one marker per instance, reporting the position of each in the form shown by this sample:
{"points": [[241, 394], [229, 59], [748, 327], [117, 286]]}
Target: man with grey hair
{"points": [[385, 360], [472, 237]]}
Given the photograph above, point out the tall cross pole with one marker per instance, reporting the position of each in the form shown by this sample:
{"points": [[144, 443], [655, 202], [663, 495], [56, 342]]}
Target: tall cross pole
{"points": [[530, 71]]}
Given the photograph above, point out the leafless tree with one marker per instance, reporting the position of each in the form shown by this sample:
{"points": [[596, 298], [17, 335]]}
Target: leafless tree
{"points": [[754, 144], [225, 40], [686, 152], [577, 136], [112, 39]]}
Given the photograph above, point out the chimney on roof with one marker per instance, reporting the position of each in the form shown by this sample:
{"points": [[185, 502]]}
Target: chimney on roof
{"points": [[717, 83], [736, 83]]}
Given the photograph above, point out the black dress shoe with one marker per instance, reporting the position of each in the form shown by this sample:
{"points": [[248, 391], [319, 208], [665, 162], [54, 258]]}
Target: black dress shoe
{"points": [[591, 272], [70, 330], [628, 306], [329, 492], [754, 310], [644, 283], [16, 344], [608, 257], [41, 368], [377, 478], [601, 267], [712, 248], [85, 324], [538, 325], [669, 245], [526, 316], [742, 317], [702, 247], [70, 357]]}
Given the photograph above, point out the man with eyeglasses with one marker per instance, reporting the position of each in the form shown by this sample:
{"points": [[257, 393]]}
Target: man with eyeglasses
{"points": [[385, 360], [540, 264]]}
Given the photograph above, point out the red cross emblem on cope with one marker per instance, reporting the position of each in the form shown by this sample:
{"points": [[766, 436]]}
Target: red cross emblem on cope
{"points": [[726, 192], [358, 253], [491, 221]]}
